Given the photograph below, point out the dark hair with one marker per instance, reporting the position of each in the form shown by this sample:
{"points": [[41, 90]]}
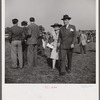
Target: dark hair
{"points": [[15, 21], [32, 19], [24, 23]]}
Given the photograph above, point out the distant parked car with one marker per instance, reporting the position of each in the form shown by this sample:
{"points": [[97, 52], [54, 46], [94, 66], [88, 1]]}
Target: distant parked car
{"points": [[6, 36]]}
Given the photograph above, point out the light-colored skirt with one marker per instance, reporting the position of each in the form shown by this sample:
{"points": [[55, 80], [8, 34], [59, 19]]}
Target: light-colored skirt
{"points": [[54, 54]]}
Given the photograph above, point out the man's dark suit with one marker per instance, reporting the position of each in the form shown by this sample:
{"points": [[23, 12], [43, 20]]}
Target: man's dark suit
{"points": [[32, 45], [67, 37]]}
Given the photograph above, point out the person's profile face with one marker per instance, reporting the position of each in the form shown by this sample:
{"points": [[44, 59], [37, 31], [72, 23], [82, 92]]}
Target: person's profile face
{"points": [[56, 28], [66, 22]]}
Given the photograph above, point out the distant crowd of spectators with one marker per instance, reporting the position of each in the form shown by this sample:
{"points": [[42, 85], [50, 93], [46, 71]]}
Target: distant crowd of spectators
{"points": [[91, 35]]}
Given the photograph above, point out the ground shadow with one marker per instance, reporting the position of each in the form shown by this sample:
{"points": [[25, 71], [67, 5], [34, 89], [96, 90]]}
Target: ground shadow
{"points": [[91, 50]]}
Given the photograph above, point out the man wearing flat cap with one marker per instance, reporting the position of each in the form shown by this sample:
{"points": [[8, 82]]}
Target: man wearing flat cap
{"points": [[15, 38], [67, 36]]}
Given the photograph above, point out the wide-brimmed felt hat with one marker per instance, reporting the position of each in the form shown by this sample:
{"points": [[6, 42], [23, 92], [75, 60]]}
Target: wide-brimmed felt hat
{"points": [[56, 25], [66, 17]]}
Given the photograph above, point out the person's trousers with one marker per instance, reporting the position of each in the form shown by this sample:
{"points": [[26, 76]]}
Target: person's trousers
{"points": [[82, 48], [78, 39], [32, 55], [16, 53], [66, 53], [41, 51], [24, 49]]}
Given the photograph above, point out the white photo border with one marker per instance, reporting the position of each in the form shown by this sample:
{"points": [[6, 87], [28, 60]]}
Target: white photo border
{"points": [[39, 91]]}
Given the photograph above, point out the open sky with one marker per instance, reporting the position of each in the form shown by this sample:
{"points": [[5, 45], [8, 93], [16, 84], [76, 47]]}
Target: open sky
{"points": [[48, 12]]}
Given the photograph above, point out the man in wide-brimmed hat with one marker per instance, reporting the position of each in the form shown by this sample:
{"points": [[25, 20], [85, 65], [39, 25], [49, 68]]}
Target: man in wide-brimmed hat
{"points": [[67, 37]]}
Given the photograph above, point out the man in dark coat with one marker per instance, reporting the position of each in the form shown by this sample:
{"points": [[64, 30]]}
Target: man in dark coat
{"points": [[67, 37], [32, 43], [26, 35]]}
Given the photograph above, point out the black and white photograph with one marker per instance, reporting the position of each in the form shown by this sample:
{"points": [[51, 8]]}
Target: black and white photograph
{"points": [[50, 50], [50, 41]]}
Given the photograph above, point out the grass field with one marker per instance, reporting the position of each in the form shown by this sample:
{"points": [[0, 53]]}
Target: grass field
{"points": [[83, 69]]}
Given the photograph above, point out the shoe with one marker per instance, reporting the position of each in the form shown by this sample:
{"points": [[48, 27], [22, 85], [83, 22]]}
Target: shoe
{"points": [[29, 65], [53, 69], [84, 55], [35, 65], [14, 67], [69, 71], [21, 67], [62, 73]]}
